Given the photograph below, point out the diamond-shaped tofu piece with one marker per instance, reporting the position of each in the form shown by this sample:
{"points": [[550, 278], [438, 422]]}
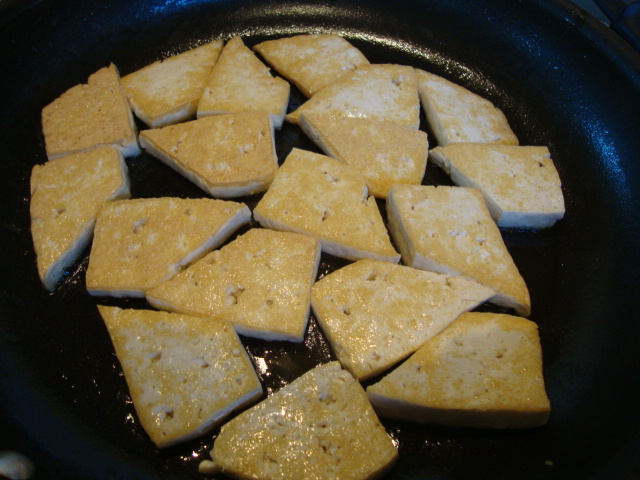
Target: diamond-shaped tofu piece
{"points": [[377, 313], [450, 230], [139, 244], [227, 155], [91, 115], [384, 153], [484, 370], [168, 91], [66, 194], [260, 282], [313, 61], [185, 374], [320, 426], [380, 92], [456, 114], [326, 198], [520, 184], [240, 82]]}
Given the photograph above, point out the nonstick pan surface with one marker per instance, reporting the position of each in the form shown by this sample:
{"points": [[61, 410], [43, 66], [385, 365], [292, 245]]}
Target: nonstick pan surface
{"points": [[562, 79]]}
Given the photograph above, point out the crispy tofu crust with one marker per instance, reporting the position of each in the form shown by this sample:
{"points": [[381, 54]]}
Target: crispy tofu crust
{"points": [[168, 91], [319, 426], [141, 243], [456, 114], [377, 313], [450, 230], [384, 153], [227, 155], [90, 115], [520, 184], [240, 82], [484, 370], [311, 62], [185, 374], [66, 194], [380, 92], [324, 197], [260, 282]]}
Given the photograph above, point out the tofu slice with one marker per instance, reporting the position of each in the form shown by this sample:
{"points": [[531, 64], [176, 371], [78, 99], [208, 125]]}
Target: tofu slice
{"points": [[484, 370], [520, 184], [456, 114], [227, 155], [326, 198], [240, 82], [66, 194], [384, 153], [260, 282], [320, 426], [141, 243], [168, 91], [313, 61], [376, 314], [450, 230], [380, 92], [91, 115], [185, 374]]}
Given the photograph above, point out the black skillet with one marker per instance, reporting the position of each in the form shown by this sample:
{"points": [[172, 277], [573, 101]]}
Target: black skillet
{"points": [[562, 79]]}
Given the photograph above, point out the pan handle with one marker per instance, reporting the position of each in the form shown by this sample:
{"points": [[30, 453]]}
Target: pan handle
{"points": [[624, 18]]}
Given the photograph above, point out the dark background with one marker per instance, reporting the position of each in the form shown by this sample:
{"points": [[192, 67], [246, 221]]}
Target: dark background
{"points": [[562, 78]]}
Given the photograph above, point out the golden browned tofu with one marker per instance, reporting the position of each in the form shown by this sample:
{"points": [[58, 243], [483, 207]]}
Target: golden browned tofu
{"points": [[384, 153], [313, 61], [168, 91], [141, 243], [380, 92], [450, 230], [240, 82], [260, 282], [456, 114], [326, 198], [520, 184], [66, 194], [377, 313], [91, 115], [226, 155], [185, 374], [320, 426], [484, 370]]}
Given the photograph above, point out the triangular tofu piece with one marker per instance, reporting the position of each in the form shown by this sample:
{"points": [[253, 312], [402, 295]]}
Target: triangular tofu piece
{"points": [[168, 91], [260, 282], [386, 93], [313, 61], [240, 82], [66, 194], [520, 184], [450, 230], [226, 155], [185, 374], [90, 115], [456, 114], [138, 244], [376, 313], [384, 153], [320, 426], [484, 370], [326, 198]]}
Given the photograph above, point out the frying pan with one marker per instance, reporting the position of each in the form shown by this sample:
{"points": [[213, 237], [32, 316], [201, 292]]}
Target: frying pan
{"points": [[562, 79]]}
